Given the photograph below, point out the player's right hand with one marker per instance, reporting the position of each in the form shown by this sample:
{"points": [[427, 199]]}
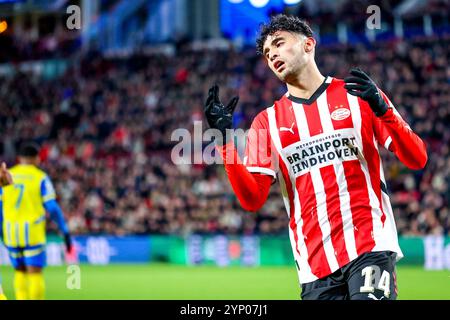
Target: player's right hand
{"points": [[5, 176], [219, 117]]}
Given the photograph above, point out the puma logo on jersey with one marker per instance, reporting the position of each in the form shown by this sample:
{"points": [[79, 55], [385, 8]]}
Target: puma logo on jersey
{"points": [[371, 296], [291, 130]]}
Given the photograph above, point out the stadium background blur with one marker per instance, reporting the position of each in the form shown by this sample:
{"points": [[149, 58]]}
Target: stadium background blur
{"points": [[103, 101]]}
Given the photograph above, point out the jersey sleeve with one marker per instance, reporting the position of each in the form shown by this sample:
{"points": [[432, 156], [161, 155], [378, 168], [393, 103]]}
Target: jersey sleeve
{"points": [[381, 133], [47, 190], [259, 156]]}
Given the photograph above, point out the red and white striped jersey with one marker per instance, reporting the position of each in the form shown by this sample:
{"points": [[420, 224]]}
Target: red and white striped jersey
{"points": [[324, 151]]}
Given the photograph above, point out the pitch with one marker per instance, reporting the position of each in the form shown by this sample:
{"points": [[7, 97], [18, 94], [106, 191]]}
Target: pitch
{"points": [[172, 282]]}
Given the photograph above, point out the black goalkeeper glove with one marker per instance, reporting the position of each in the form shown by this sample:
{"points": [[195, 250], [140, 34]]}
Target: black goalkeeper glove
{"points": [[218, 116], [362, 86], [68, 242]]}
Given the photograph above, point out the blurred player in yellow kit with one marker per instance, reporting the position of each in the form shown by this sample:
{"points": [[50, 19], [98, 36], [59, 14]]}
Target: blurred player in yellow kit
{"points": [[5, 179], [22, 212]]}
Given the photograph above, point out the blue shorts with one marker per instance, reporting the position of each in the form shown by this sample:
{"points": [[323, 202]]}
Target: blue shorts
{"points": [[30, 256]]}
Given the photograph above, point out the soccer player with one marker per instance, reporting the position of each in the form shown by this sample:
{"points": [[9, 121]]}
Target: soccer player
{"points": [[23, 208], [321, 141], [5, 179]]}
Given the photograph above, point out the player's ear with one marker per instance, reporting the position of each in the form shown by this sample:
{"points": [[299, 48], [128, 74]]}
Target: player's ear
{"points": [[309, 44]]}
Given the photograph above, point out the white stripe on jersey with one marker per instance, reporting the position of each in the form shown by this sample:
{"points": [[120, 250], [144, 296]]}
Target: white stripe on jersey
{"points": [[267, 171], [373, 200], [302, 123], [389, 228], [356, 118], [324, 113], [346, 212], [322, 217], [304, 274], [319, 190], [387, 143]]}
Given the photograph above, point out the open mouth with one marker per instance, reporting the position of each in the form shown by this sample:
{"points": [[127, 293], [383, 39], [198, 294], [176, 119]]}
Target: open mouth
{"points": [[278, 65]]}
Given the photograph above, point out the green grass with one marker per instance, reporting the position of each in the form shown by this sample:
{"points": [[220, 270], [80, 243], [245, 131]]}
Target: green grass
{"points": [[170, 282]]}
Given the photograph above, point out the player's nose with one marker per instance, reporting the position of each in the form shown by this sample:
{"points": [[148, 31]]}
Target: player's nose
{"points": [[273, 56]]}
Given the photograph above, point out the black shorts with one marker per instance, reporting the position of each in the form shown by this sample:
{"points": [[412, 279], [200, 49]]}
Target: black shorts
{"points": [[371, 276]]}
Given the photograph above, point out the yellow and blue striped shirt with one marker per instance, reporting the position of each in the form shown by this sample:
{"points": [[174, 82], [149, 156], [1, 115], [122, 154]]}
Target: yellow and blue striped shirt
{"points": [[23, 206]]}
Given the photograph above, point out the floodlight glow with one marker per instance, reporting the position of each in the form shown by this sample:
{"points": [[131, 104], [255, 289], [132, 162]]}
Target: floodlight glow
{"points": [[291, 1], [259, 3], [3, 26]]}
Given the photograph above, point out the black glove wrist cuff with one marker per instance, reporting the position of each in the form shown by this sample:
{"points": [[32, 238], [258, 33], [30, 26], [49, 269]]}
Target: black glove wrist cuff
{"points": [[380, 108]]}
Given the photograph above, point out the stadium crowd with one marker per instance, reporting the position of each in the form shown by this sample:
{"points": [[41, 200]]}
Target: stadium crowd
{"points": [[105, 129], [29, 46]]}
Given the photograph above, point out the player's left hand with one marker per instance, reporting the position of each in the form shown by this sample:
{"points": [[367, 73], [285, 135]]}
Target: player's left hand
{"points": [[362, 86], [5, 176]]}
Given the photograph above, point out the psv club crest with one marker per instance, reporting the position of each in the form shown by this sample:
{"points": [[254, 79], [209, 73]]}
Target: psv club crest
{"points": [[340, 114]]}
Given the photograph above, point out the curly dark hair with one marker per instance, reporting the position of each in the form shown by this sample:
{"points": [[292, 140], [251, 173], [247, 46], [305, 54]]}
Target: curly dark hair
{"points": [[281, 22]]}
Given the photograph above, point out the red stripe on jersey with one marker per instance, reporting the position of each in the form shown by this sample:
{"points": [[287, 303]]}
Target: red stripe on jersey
{"points": [[334, 214], [292, 222], [338, 105], [311, 229], [370, 152], [360, 206], [313, 119], [286, 124]]}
